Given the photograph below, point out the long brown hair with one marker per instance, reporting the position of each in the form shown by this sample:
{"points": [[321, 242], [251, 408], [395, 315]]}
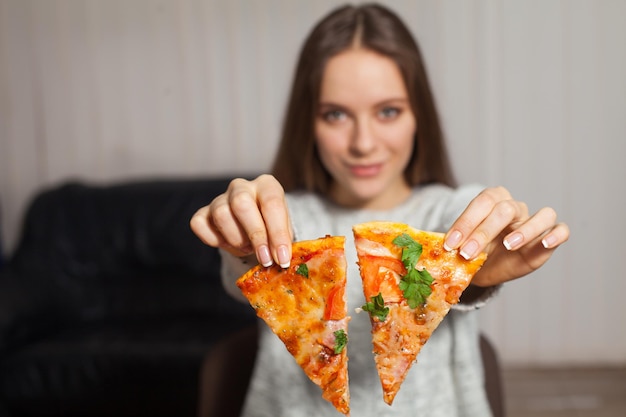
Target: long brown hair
{"points": [[370, 26]]}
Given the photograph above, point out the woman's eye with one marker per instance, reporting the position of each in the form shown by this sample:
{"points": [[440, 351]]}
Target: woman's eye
{"points": [[389, 113], [334, 115]]}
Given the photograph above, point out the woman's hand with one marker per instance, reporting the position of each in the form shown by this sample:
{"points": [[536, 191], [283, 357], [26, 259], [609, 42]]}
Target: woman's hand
{"points": [[250, 218], [516, 242]]}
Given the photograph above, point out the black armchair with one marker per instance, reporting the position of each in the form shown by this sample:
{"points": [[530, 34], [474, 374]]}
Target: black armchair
{"points": [[110, 303]]}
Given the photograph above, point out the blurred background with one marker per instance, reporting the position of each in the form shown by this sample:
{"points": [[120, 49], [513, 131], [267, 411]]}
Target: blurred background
{"points": [[532, 95]]}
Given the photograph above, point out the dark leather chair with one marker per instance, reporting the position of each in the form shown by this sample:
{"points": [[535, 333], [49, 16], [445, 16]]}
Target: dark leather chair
{"points": [[225, 374], [228, 366], [109, 303]]}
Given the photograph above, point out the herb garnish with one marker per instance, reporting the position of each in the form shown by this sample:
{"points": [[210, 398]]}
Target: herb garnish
{"points": [[341, 340], [303, 270], [415, 284], [376, 307]]}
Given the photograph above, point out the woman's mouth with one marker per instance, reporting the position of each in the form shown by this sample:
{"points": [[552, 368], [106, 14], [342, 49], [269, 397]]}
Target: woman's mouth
{"points": [[365, 171]]}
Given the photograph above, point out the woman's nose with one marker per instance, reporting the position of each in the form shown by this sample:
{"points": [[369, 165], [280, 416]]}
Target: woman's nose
{"points": [[363, 139]]}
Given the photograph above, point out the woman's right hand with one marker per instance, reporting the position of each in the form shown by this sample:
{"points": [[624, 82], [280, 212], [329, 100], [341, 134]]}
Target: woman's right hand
{"points": [[250, 218]]}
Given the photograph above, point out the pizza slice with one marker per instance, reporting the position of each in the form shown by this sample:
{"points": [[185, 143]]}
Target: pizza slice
{"points": [[305, 306], [410, 282]]}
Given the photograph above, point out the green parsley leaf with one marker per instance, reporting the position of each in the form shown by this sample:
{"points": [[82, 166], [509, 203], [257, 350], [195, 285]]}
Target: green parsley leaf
{"points": [[411, 251], [341, 340], [376, 307], [415, 284], [303, 270]]}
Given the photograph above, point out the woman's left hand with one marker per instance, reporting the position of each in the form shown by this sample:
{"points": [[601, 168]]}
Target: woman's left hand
{"points": [[516, 242]]}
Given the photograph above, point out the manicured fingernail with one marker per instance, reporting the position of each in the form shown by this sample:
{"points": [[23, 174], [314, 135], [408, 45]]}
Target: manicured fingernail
{"points": [[513, 241], [264, 256], [469, 249], [548, 241], [453, 240], [283, 256]]}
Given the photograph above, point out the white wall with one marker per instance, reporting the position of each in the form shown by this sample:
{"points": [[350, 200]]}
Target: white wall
{"points": [[532, 93]]}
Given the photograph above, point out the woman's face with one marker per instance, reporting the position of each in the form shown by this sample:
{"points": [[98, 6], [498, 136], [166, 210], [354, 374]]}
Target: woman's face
{"points": [[365, 130]]}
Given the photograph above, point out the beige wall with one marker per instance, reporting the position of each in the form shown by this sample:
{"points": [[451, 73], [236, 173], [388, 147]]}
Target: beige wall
{"points": [[532, 93]]}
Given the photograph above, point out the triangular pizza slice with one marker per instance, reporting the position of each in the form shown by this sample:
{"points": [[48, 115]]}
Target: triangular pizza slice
{"points": [[410, 282], [305, 306]]}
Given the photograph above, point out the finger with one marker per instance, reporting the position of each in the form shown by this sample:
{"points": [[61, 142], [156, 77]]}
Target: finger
{"points": [[227, 228], [243, 200], [532, 229], [261, 210], [557, 236], [199, 224], [206, 230], [534, 251], [504, 214], [475, 213], [276, 215]]}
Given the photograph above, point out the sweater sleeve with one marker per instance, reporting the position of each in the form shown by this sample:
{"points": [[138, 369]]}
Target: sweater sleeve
{"points": [[233, 268]]}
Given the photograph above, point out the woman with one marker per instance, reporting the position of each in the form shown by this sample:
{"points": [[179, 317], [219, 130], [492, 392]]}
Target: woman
{"points": [[362, 141]]}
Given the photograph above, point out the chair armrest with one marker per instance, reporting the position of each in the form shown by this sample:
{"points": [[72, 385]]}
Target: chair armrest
{"points": [[25, 311], [226, 372]]}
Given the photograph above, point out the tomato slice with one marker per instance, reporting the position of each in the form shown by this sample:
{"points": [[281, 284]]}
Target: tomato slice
{"points": [[335, 304], [381, 275]]}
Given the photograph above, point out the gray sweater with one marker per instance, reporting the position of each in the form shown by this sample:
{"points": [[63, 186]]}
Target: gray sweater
{"points": [[446, 381]]}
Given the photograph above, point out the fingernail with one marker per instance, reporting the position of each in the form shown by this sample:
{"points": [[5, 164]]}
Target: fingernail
{"points": [[264, 256], [453, 240], [283, 256], [513, 241], [469, 249], [548, 241]]}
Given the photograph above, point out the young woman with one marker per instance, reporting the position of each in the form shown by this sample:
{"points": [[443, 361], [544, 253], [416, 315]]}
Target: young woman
{"points": [[362, 141]]}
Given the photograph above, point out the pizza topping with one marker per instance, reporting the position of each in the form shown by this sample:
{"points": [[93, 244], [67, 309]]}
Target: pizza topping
{"points": [[415, 284], [376, 307], [335, 304], [383, 274], [303, 270], [329, 332], [341, 340]]}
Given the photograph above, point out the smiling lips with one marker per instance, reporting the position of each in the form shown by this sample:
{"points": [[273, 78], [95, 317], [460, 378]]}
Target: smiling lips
{"points": [[365, 171]]}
